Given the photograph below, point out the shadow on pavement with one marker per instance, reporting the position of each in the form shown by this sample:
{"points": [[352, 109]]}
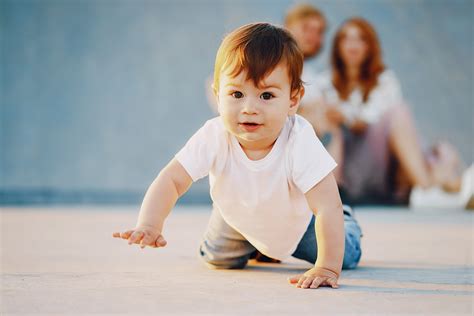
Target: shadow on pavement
{"points": [[455, 275]]}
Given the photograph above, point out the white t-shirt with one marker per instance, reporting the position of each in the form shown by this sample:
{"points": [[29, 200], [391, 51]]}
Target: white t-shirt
{"points": [[262, 199], [386, 94]]}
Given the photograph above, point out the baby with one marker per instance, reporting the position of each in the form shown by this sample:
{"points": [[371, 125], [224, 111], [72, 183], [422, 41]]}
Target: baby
{"points": [[269, 174]]}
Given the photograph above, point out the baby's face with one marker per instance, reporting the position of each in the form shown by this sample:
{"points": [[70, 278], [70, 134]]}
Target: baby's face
{"points": [[256, 115]]}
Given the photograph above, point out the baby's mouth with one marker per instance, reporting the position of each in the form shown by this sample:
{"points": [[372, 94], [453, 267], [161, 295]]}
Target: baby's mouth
{"points": [[250, 126]]}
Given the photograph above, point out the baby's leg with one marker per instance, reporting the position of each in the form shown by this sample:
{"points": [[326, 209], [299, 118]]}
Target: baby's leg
{"points": [[308, 249], [222, 246]]}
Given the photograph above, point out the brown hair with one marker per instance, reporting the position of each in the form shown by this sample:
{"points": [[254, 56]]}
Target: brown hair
{"points": [[258, 48], [371, 67], [302, 11]]}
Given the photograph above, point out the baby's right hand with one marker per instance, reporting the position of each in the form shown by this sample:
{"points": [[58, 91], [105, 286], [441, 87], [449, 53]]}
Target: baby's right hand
{"points": [[144, 236]]}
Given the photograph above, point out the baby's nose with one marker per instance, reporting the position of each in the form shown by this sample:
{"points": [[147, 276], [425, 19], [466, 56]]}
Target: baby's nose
{"points": [[250, 107]]}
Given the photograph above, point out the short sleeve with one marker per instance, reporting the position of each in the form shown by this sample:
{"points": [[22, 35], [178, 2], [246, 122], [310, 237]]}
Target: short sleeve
{"points": [[200, 152], [310, 162]]}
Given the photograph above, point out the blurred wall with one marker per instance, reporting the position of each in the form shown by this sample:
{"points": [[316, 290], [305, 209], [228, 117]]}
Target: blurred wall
{"points": [[97, 96]]}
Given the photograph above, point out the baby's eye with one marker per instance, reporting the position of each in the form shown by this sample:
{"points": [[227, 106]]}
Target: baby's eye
{"points": [[267, 96], [237, 94]]}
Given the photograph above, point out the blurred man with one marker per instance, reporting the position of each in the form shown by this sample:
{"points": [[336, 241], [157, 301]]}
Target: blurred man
{"points": [[307, 24]]}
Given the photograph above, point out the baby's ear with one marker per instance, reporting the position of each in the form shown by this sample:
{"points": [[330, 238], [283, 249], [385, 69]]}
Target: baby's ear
{"points": [[295, 100], [215, 91]]}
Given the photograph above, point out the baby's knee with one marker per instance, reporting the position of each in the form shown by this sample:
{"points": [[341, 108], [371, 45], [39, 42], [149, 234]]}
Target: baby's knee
{"points": [[221, 265], [213, 262]]}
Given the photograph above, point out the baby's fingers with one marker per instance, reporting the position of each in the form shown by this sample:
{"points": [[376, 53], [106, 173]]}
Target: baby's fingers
{"points": [[136, 237], [151, 241], [316, 282], [147, 241], [321, 281], [123, 235], [294, 279], [301, 281], [160, 241], [307, 283], [332, 282]]}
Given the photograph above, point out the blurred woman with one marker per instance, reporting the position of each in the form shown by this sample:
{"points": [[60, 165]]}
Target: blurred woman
{"points": [[372, 132]]}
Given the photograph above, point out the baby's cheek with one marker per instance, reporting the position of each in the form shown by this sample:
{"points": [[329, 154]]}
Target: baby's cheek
{"points": [[229, 123], [277, 123]]}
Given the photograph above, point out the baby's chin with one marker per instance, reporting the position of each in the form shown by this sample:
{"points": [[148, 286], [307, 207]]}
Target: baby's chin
{"points": [[249, 136], [255, 140]]}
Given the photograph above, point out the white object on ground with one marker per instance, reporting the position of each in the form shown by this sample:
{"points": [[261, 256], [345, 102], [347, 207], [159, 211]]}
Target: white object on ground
{"points": [[437, 198]]}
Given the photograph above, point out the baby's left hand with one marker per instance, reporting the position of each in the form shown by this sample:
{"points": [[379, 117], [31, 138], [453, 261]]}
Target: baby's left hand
{"points": [[314, 278]]}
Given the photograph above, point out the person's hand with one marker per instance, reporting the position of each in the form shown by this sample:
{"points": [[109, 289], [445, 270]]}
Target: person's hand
{"points": [[143, 236], [334, 115], [359, 127], [315, 278]]}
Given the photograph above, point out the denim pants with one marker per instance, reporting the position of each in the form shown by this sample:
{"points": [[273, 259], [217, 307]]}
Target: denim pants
{"points": [[222, 247]]}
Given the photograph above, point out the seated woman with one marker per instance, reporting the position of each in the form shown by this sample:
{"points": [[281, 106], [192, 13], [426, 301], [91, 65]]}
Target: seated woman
{"points": [[371, 130]]}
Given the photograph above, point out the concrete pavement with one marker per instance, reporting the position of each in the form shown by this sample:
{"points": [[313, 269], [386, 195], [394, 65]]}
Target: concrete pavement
{"points": [[63, 260]]}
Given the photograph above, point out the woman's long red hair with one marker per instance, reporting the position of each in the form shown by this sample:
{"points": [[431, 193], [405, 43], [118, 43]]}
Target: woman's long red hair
{"points": [[371, 67]]}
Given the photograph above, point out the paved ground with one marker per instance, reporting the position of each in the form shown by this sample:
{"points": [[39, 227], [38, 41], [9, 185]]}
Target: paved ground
{"points": [[64, 261]]}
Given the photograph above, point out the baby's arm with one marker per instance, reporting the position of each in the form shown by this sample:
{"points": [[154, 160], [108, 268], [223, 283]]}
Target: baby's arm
{"points": [[172, 182], [325, 202]]}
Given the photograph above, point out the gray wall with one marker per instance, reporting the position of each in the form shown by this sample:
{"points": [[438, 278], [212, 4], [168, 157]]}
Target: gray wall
{"points": [[97, 96]]}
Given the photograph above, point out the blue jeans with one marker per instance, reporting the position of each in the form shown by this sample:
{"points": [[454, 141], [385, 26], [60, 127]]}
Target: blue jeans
{"points": [[222, 247]]}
